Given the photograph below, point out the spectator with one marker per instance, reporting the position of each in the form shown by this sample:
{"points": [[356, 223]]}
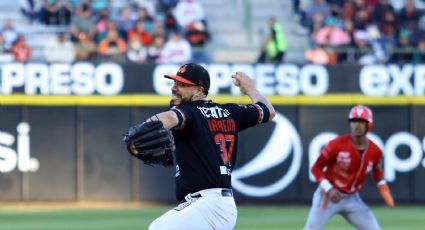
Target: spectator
{"points": [[317, 25], [388, 27], [377, 17], [99, 5], [367, 52], [409, 16], [31, 9], [83, 22], [148, 5], [380, 9], [139, 30], [148, 21], [85, 48], [320, 56], [189, 11], [103, 26], [60, 49], [56, 12], [296, 6], [154, 51], [348, 9], [336, 7], [20, 50], [197, 36], [361, 19], [404, 52], [419, 33], [170, 23], [112, 48], [275, 46], [345, 53], [65, 12], [363, 50], [166, 5], [358, 11], [419, 54], [348, 27], [176, 50], [319, 9], [124, 23], [9, 33], [331, 35], [136, 52], [5, 55], [158, 30]]}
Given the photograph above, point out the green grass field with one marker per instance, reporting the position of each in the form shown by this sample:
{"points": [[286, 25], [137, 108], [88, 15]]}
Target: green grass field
{"points": [[249, 217]]}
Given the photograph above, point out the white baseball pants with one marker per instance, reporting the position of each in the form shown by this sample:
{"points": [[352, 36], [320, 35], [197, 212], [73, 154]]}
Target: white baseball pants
{"points": [[203, 210], [351, 207]]}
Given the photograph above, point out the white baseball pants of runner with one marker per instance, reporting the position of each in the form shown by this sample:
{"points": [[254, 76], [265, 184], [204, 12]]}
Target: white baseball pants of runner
{"points": [[203, 210], [351, 207]]}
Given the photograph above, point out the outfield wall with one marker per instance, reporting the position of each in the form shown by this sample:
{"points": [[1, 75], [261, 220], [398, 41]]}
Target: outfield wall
{"points": [[61, 128]]}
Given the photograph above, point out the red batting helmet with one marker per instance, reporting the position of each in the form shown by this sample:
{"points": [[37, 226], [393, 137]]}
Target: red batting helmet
{"points": [[362, 112]]}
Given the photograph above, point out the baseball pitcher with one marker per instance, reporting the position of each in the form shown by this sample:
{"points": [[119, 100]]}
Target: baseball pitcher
{"points": [[205, 139]]}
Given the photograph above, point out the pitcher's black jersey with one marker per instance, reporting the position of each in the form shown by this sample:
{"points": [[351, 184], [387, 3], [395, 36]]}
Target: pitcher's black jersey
{"points": [[206, 142]]}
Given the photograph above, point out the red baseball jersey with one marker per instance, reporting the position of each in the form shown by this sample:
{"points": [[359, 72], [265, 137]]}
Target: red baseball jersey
{"points": [[345, 167]]}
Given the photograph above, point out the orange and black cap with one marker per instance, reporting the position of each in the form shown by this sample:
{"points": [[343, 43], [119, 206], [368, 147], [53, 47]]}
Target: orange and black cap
{"points": [[192, 74]]}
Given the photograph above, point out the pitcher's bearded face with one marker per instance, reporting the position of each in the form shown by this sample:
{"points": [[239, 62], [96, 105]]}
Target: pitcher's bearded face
{"points": [[182, 93]]}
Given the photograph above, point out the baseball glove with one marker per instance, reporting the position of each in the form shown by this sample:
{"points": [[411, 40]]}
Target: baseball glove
{"points": [[151, 143]]}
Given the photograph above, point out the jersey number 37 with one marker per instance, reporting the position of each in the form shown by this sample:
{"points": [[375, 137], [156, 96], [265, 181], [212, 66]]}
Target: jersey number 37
{"points": [[226, 143]]}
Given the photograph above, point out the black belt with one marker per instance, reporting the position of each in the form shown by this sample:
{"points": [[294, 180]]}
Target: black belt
{"points": [[225, 192]]}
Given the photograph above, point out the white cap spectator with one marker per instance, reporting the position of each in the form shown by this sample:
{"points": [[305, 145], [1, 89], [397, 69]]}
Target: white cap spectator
{"points": [[176, 50], [9, 33], [188, 11]]}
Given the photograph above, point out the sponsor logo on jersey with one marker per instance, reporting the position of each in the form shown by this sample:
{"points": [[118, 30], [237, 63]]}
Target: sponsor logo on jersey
{"points": [[344, 160], [214, 112]]}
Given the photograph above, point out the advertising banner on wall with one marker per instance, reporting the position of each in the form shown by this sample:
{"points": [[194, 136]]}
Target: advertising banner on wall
{"points": [[76, 153], [61, 129], [287, 79]]}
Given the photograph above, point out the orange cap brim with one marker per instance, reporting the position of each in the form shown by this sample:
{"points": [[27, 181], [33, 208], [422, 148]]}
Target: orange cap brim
{"points": [[180, 79]]}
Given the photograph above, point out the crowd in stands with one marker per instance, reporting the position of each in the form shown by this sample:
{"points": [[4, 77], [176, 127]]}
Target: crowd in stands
{"points": [[141, 31], [176, 31], [363, 31]]}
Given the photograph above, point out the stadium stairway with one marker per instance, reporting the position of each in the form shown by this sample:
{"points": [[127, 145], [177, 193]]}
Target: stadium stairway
{"points": [[36, 34], [236, 39]]}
